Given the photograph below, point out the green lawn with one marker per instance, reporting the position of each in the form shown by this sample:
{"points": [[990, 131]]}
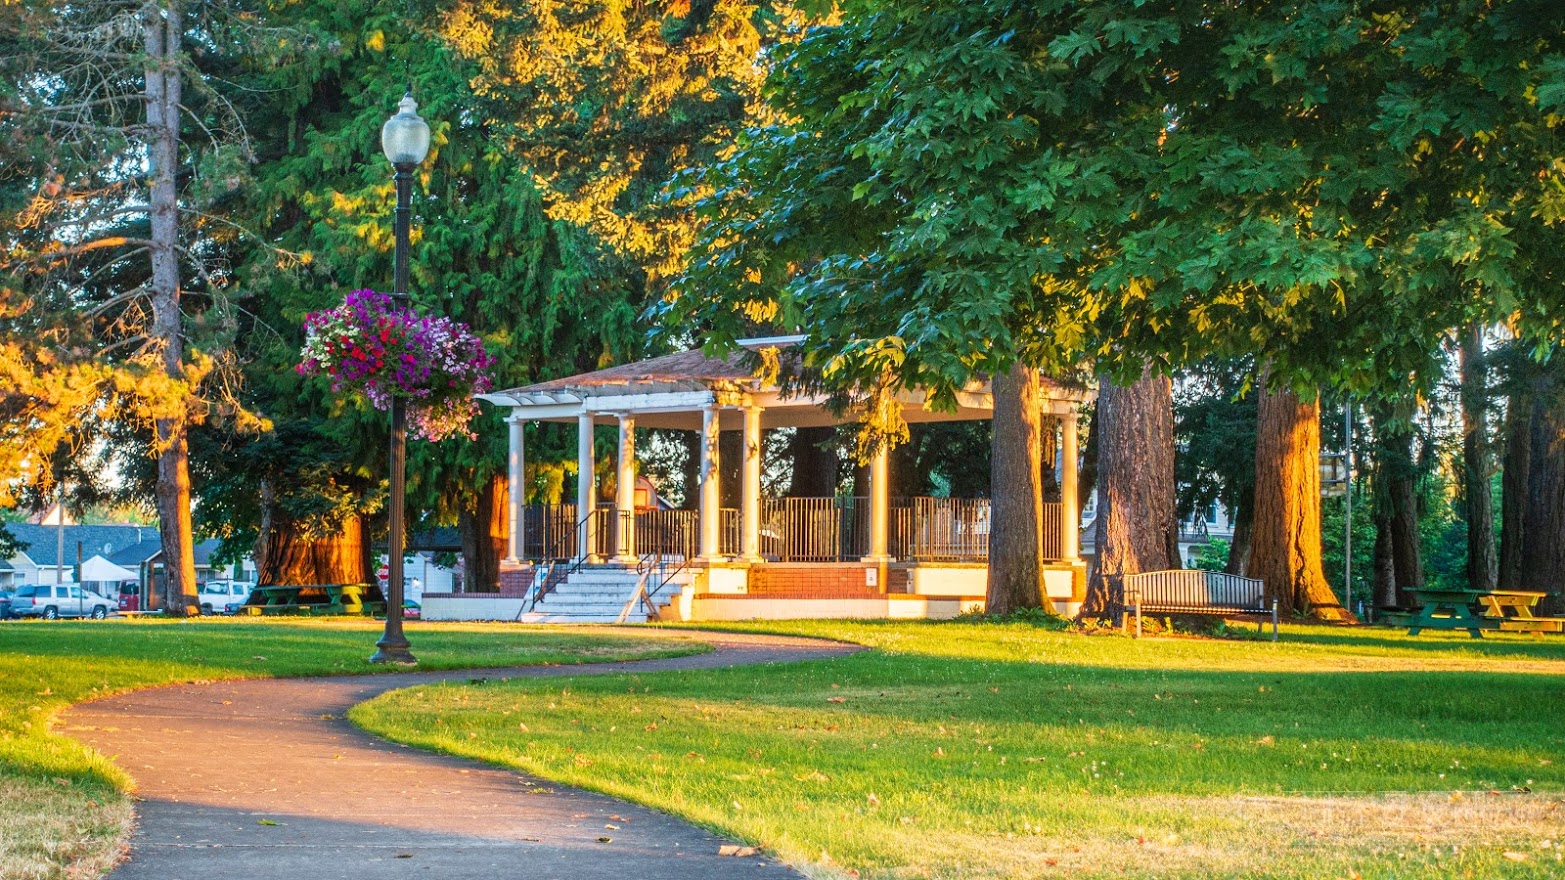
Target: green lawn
{"points": [[63, 811], [973, 750]]}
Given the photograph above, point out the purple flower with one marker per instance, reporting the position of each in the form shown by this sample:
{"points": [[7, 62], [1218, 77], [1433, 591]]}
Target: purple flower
{"points": [[370, 346]]}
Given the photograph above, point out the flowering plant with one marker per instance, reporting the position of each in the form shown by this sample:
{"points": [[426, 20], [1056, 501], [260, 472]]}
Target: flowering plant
{"points": [[371, 345]]}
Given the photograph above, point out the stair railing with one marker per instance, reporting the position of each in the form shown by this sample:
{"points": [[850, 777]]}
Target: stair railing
{"points": [[535, 590]]}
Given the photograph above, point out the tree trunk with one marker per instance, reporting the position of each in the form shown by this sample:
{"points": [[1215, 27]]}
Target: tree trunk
{"points": [[1048, 456], [1385, 572], [1482, 564], [690, 470], [814, 460], [1543, 552], [292, 558], [1285, 548], [1016, 509], [1243, 523], [730, 469], [485, 535], [1515, 477], [1087, 477], [161, 34], [1396, 504], [1137, 526]]}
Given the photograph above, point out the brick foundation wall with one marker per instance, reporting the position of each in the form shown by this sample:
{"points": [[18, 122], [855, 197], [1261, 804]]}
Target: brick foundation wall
{"points": [[821, 581]]}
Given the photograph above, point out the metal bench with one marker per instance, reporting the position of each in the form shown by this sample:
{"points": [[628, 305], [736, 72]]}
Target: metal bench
{"points": [[1192, 591]]}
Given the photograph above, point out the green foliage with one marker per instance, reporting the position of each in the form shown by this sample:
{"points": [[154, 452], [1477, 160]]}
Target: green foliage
{"points": [[1214, 427], [1325, 186], [1212, 555], [1333, 534], [483, 253]]}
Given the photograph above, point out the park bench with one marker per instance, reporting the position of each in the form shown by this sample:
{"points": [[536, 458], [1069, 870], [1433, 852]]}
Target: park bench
{"points": [[365, 599], [1192, 591]]}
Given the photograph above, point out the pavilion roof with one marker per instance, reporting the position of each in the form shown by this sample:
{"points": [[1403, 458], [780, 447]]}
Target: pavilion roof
{"points": [[686, 369], [672, 391]]}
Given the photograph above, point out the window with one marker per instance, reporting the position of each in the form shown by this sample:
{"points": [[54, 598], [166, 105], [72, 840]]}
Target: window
{"points": [[76, 592]]}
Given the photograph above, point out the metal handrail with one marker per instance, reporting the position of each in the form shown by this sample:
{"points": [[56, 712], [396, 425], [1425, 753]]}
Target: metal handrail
{"points": [[646, 564]]}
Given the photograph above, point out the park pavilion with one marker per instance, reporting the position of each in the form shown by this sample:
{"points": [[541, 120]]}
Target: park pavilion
{"points": [[871, 556]]}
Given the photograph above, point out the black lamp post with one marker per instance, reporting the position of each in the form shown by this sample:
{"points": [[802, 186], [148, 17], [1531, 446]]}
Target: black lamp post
{"points": [[405, 140]]}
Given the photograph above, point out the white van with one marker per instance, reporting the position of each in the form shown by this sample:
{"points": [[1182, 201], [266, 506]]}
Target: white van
{"points": [[222, 597]]}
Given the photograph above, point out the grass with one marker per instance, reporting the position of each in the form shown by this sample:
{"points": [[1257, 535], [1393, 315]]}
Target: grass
{"points": [[64, 811], [983, 750]]}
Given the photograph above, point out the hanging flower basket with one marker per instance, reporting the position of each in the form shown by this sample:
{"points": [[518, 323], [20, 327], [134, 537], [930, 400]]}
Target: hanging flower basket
{"points": [[371, 346]]}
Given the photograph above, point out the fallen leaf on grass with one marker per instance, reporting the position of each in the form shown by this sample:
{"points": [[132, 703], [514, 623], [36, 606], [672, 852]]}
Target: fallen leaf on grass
{"points": [[836, 699], [1516, 856], [1267, 740]]}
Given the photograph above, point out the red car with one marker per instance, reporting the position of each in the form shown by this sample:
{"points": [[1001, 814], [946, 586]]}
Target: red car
{"points": [[130, 596]]}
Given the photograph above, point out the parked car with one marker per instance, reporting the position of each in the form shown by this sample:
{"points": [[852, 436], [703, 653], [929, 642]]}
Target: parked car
{"points": [[216, 596], [411, 610], [51, 601], [130, 596], [5, 604]]}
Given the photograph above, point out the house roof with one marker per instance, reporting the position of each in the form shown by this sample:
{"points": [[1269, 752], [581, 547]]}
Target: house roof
{"points": [[41, 543], [442, 538], [148, 551], [138, 553]]}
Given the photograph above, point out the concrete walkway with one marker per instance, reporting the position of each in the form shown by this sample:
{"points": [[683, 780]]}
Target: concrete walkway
{"points": [[265, 780]]}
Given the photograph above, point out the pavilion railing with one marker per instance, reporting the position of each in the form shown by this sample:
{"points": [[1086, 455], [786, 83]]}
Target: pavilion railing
{"points": [[940, 529], [793, 530]]}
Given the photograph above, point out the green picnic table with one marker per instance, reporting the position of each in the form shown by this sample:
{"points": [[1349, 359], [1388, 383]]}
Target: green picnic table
{"points": [[363, 599], [1478, 610], [1446, 609]]}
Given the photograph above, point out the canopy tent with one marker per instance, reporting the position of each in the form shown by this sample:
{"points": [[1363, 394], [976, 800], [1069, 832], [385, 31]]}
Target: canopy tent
{"points": [[99, 569]]}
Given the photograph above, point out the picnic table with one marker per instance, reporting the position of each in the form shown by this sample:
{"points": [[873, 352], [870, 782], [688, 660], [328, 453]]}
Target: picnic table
{"points": [[365, 599], [1478, 610], [1512, 609]]}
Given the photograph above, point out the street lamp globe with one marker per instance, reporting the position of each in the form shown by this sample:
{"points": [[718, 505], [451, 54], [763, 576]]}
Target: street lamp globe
{"points": [[405, 136]]}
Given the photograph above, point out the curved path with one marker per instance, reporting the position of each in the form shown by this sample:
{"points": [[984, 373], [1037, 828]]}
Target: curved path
{"points": [[265, 780]]}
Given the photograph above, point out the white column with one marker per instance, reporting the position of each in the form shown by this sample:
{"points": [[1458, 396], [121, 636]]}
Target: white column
{"points": [[1070, 509], [625, 496], [586, 491], [879, 506], [516, 472], [750, 509], [711, 510]]}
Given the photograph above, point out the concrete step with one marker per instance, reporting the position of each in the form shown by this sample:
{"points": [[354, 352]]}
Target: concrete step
{"points": [[580, 607], [545, 617], [601, 574], [593, 589]]}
